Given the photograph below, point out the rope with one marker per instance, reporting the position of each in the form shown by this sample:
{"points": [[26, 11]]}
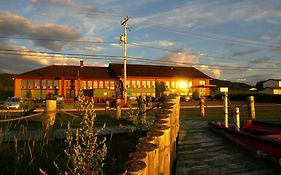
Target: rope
{"points": [[156, 105], [72, 115], [20, 118]]}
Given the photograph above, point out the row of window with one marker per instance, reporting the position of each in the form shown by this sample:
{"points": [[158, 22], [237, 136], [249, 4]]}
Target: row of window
{"points": [[39, 84], [54, 84]]}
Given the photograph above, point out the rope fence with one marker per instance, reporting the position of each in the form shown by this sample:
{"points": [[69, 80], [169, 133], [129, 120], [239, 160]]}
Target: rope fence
{"points": [[20, 118]]}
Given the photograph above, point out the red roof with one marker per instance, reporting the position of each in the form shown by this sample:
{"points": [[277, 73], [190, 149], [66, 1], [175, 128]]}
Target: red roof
{"points": [[58, 71], [158, 71], [113, 71]]}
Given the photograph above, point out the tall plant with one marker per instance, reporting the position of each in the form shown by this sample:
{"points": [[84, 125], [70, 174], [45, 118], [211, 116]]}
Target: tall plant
{"points": [[85, 151]]}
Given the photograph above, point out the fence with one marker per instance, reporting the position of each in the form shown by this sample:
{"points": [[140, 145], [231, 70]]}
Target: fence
{"points": [[156, 153]]}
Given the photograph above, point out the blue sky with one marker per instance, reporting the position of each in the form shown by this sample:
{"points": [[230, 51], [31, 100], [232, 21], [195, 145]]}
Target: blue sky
{"points": [[231, 40]]}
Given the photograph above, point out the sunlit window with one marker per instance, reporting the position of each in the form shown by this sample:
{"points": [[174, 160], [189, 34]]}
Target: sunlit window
{"points": [[83, 85], [134, 83], [30, 84], [106, 84], [24, 84], [95, 84], [128, 84], [112, 85], [138, 83], [89, 85], [56, 84], [37, 84], [148, 84], [153, 84], [173, 84], [100, 84], [144, 84], [202, 82], [43, 84], [167, 84], [50, 84]]}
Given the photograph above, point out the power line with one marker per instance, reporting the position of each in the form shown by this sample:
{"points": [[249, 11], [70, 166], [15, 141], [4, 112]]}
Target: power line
{"points": [[60, 40]]}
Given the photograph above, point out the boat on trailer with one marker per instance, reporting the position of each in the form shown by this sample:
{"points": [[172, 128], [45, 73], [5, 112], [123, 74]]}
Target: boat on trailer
{"points": [[264, 138]]}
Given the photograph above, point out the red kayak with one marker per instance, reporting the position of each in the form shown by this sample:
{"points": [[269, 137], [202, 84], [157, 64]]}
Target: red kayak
{"points": [[261, 137]]}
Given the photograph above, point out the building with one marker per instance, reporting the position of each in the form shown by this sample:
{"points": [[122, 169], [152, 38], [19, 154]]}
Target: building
{"points": [[272, 86], [141, 80]]}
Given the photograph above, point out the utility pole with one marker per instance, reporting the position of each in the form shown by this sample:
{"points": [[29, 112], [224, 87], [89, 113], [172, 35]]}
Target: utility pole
{"points": [[123, 38]]}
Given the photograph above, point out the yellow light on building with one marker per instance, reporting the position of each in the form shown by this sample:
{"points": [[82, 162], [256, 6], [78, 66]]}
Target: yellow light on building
{"points": [[183, 84]]}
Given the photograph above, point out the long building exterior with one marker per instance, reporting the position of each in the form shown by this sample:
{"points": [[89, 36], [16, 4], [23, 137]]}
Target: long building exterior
{"points": [[141, 80]]}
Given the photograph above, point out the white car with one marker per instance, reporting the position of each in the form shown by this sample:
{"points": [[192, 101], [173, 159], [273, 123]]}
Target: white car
{"points": [[13, 103]]}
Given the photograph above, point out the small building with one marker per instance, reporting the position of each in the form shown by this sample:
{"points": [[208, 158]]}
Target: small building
{"points": [[272, 86], [62, 80]]}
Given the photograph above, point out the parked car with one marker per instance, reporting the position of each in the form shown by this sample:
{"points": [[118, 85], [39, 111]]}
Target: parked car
{"points": [[13, 103]]}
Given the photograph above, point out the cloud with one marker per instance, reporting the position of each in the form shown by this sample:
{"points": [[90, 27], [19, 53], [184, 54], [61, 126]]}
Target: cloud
{"points": [[14, 25], [259, 61], [195, 14], [243, 53], [157, 43], [19, 61], [68, 2]]}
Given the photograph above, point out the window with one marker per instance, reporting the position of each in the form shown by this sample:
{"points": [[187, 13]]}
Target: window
{"points": [[56, 84], [43, 84], [190, 84], [148, 84], [50, 84], [128, 84], [106, 84], [37, 84], [100, 84], [173, 84], [167, 84], [83, 85], [112, 85], [24, 84], [95, 84], [153, 84], [30, 84], [89, 85], [144, 84], [202, 82], [138, 83], [134, 84]]}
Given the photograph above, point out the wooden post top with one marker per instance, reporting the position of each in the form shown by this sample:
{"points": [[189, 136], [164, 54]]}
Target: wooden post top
{"points": [[134, 165], [146, 147]]}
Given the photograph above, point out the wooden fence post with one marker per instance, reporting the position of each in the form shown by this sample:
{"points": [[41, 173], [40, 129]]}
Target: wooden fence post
{"points": [[202, 106], [251, 107], [142, 156], [118, 108], [152, 152], [158, 136], [237, 113], [49, 118], [135, 167], [226, 109], [167, 150]]}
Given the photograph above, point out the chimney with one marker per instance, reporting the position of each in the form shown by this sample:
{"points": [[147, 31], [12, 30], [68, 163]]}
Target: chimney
{"points": [[81, 63]]}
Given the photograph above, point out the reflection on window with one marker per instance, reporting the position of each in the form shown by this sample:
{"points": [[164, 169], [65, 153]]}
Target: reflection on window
{"points": [[106, 84], [173, 84], [100, 84], [153, 84], [90, 84], [30, 84], [50, 84], [138, 83], [167, 84], [202, 82], [148, 84], [144, 84], [111, 84], [56, 84], [43, 84], [134, 84], [24, 84], [83, 85], [37, 84], [95, 84]]}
